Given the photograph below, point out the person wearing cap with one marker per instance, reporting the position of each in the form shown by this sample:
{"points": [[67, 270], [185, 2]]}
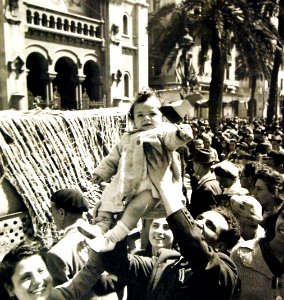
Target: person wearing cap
{"points": [[70, 253], [227, 174], [248, 212], [204, 194], [207, 140], [276, 141]]}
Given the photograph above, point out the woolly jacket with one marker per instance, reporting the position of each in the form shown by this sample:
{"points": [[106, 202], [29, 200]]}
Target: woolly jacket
{"points": [[127, 162], [257, 280]]}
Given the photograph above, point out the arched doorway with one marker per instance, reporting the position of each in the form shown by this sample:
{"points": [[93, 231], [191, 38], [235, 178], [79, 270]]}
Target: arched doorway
{"points": [[92, 83], [37, 79], [66, 82]]}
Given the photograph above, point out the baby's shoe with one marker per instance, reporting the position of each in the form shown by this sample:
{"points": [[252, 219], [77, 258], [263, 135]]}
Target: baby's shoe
{"points": [[90, 231], [101, 244]]}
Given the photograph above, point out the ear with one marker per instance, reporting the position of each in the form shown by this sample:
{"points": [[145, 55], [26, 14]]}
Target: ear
{"points": [[62, 212], [10, 290]]}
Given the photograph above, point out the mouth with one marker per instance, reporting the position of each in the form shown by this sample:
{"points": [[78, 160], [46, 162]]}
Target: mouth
{"points": [[40, 290], [281, 230]]}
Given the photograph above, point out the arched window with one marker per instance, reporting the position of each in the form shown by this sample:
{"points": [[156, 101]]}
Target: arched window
{"points": [[44, 20], [79, 28], [126, 85], [29, 17], [92, 31], [51, 22], [73, 27], [66, 25], [86, 29], [36, 18], [125, 25], [59, 24]]}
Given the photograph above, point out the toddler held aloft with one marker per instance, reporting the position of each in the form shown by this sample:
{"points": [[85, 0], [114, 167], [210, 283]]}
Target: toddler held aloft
{"points": [[131, 192]]}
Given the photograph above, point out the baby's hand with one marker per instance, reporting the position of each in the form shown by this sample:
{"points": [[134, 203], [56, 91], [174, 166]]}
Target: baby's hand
{"points": [[185, 132], [96, 179]]}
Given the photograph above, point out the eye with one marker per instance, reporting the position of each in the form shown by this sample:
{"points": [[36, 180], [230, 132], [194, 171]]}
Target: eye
{"points": [[153, 114], [139, 115], [41, 270], [25, 277], [166, 227], [155, 226], [210, 225]]}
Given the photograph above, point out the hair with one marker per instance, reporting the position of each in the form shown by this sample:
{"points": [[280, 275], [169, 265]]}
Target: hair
{"points": [[250, 169], [14, 256], [272, 178], [231, 236], [270, 222], [141, 97]]}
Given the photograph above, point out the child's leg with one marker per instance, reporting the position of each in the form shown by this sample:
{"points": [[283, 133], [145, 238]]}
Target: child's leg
{"points": [[141, 204], [103, 221]]}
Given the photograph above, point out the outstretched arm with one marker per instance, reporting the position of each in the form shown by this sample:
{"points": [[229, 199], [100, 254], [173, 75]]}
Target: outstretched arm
{"points": [[185, 231]]}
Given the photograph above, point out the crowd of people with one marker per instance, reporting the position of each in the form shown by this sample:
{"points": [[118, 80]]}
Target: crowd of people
{"points": [[220, 234]]}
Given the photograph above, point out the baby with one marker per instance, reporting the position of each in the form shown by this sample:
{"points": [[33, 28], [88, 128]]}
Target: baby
{"points": [[130, 190]]}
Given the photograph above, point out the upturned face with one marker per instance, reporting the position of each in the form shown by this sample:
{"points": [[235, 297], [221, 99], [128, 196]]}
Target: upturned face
{"points": [[147, 115], [211, 224], [31, 279], [160, 234]]}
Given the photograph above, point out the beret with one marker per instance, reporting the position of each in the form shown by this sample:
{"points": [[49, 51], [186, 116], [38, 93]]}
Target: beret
{"points": [[246, 208], [226, 169], [71, 200]]}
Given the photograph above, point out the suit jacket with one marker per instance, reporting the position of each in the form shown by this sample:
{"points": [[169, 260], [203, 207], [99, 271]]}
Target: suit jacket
{"points": [[204, 195]]}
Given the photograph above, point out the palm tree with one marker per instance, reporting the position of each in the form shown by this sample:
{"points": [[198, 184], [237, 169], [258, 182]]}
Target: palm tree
{"points": [[216, 24]]}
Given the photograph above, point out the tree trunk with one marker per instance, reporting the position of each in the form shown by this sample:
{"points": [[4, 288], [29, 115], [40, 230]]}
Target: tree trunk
{"points": [[273, 90], [216, 84], [252, 100]]}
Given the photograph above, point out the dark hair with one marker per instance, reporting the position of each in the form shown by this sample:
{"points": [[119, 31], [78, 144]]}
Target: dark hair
{"points": [[272, 178], [270, 222], [141, 97], [231, 236], [250, 169], [14, 256]]}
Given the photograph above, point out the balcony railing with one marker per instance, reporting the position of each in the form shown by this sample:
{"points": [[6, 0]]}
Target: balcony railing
{"points": [[63, 23]]}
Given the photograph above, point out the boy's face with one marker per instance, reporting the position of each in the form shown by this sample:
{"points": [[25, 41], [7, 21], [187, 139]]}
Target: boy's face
{"points": [[147, 115]]}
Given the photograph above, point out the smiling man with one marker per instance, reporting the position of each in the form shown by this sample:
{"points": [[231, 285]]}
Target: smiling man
{"points": [[201, 270]]}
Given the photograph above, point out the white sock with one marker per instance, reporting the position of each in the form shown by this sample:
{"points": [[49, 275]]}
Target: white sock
{"points": [[118, 232]]}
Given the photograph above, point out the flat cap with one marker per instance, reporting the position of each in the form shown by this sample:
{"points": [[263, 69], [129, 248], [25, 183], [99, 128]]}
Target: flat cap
{"points": [[246, 208], [226, 169], [71, 200]]}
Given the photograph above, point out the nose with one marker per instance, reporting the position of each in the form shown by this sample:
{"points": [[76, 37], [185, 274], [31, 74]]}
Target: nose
{"points": [[37, 279], [254, 192], [200, 224]]}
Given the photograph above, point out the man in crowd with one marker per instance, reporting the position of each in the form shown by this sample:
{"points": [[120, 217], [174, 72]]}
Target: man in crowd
{"points": [[201, 270], [70, 253], [203, 195]]}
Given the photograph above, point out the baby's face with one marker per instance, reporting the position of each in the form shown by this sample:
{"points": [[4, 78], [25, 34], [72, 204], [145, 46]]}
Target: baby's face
{"points": [[147, 115]]}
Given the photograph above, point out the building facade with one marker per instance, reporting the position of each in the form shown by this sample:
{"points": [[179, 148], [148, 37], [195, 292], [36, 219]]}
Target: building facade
{"points": [[71, 55]]}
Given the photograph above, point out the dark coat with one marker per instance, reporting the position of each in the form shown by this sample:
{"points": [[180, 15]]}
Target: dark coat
{"points": [[200, 273], [203, 197]]}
